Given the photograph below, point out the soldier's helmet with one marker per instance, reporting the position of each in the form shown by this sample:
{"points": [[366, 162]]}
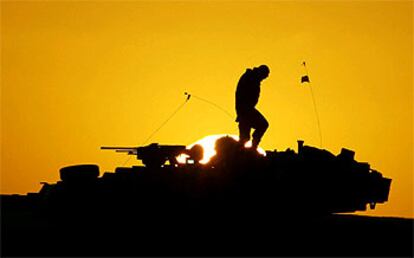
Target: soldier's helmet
{"points": [[263, 71]]}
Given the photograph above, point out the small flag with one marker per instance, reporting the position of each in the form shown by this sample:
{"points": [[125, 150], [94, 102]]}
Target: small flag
{"points": [[304, 78]]}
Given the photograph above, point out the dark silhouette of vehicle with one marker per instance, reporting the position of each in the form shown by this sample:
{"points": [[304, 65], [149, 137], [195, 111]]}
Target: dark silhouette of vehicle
{"points": [[312, 180], [239, 203]]}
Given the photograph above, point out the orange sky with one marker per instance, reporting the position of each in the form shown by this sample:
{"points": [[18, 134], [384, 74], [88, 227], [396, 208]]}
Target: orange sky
{"points": [[79, 75]]}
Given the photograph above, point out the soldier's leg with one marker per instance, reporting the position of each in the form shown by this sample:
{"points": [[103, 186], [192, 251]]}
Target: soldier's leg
{"points": [[260, 124], [244, 132]]}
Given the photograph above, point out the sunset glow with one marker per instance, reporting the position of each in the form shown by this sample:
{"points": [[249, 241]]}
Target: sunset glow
{"points": [[77, 75], [208, 144]]}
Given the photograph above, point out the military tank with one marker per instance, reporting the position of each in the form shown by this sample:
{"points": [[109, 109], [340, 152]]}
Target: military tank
{"points": [[237, 179], [239, 203]]}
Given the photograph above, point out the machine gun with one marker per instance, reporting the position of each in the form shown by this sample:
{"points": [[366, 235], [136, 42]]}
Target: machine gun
{"points": [[155, 155]]}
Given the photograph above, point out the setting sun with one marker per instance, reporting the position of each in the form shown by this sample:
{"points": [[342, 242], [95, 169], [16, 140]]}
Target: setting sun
{"points": [[208, 144]]}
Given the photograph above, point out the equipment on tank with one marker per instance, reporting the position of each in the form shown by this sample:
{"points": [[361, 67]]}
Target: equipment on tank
{"points": [[155, 155]]}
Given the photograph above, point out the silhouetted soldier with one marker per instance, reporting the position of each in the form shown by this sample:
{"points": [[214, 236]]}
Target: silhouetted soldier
{"points": [[247, 96]]}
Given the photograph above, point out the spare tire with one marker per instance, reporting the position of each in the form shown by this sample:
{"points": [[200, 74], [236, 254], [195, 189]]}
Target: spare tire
{"points": [[79, 173]]}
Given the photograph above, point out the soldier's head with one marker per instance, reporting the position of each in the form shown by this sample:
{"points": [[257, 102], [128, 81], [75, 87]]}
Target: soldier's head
{"points": [[262, 71]]}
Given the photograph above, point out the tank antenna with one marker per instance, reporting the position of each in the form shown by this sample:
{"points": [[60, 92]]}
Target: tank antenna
{"points": [[211, 103], [188, 97], [169, 118], [164, 123], [305, 78]]}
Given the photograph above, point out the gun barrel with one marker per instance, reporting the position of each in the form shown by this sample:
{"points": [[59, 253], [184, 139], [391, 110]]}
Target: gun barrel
{"points": [[118, 148], [153, 154], [127, 150]]}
